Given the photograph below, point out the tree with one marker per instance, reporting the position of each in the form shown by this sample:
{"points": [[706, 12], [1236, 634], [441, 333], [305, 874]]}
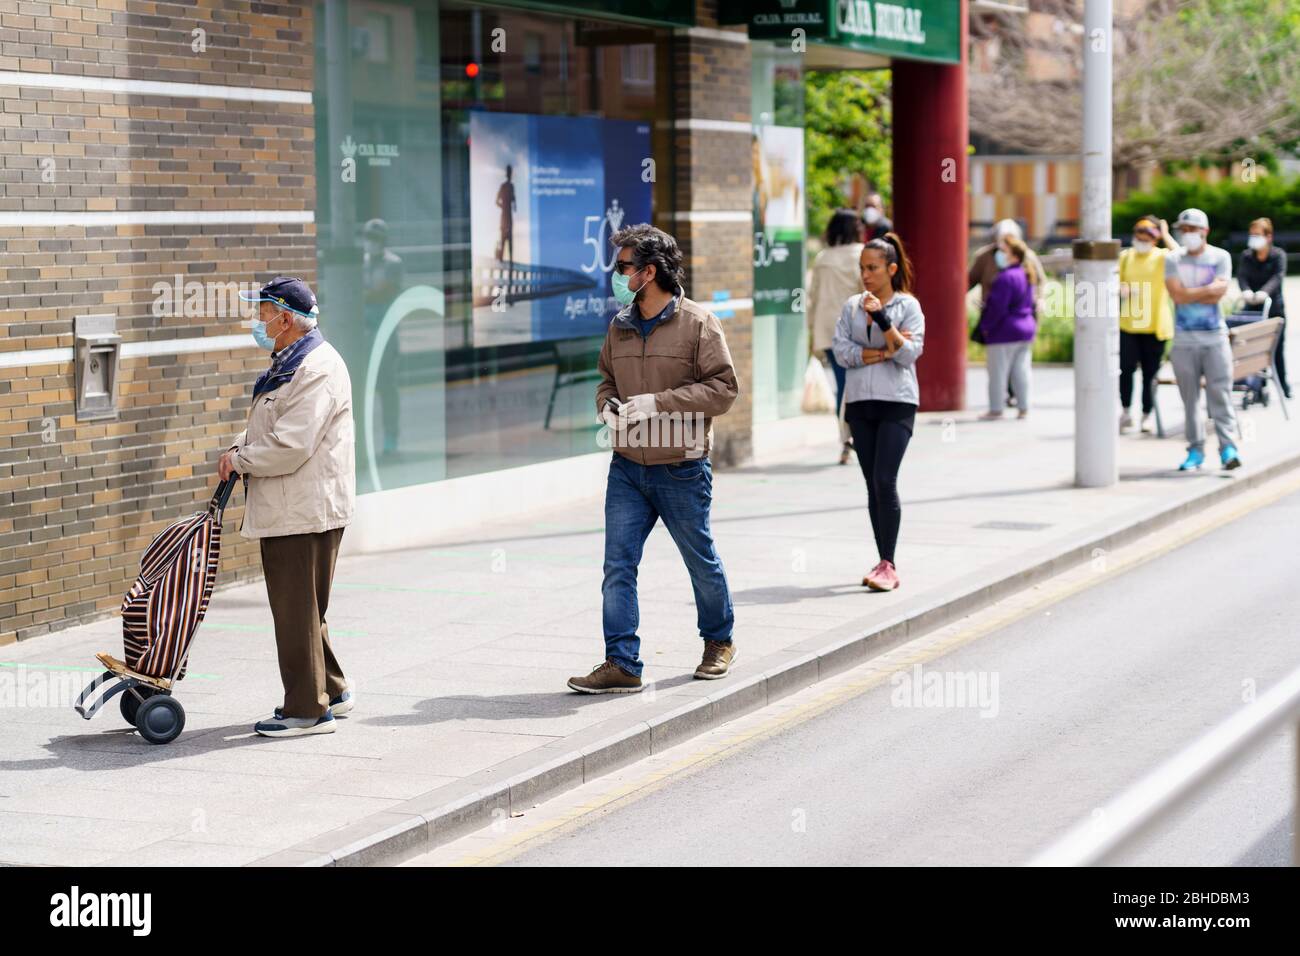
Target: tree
{"points": [[1194, 80], [847, 130]]}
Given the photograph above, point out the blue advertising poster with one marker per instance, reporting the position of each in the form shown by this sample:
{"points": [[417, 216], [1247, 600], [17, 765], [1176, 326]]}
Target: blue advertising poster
{"points": [[547, 192]]}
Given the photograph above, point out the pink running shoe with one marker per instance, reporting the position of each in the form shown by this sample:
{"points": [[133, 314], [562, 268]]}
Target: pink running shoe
{"points": [[884, 577], [866, 581]]}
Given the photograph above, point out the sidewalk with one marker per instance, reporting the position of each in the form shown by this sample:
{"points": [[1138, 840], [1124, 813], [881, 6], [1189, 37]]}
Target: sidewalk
{"points": [[459, 653]]}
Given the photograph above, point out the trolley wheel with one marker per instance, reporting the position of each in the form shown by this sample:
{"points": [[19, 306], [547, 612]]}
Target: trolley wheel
{"points": [[160, 719], [131, 705]]}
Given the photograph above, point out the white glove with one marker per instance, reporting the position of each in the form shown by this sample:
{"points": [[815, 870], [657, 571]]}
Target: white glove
{"points": [[638, 408], [610, 419]]}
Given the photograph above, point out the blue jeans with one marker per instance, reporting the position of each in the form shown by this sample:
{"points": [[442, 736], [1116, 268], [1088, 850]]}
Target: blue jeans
{"points": [[635, 498], [840, 375]]}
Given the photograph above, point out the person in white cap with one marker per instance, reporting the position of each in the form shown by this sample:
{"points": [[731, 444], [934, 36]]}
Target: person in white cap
{"points": [[1197, 279]]}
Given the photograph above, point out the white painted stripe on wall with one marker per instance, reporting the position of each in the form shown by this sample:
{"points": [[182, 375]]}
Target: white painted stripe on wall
{"points": [[208, 343], [714, 215], [105, 84], [708, 33], [713, 126], [158, 217], [35, 357], [204, 343]]}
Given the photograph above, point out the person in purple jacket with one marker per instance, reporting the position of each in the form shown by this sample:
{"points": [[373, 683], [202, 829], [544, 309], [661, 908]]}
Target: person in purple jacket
{"points": [[1007, 327]]}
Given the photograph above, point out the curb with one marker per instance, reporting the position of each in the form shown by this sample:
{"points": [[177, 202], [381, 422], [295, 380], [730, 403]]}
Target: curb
{"points": [[672, 716]]}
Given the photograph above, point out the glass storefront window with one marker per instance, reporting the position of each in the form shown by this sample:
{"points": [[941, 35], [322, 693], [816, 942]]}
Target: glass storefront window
{"points": [[492, 152], [780, 331]]}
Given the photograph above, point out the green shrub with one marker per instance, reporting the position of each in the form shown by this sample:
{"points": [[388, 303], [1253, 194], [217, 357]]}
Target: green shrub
{"points": [[1230, 204]]}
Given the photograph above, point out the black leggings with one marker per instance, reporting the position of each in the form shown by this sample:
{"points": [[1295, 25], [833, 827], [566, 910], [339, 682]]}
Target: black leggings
{"points": [[881, 431], [1147, 351]]}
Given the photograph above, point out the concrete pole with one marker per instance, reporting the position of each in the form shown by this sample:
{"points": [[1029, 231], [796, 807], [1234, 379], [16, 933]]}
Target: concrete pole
{"points": [[1096, 255]]}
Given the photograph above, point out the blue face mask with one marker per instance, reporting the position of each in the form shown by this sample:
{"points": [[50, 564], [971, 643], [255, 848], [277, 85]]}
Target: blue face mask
{"points": [[1002, 259], [260, 337], [622, 291]]}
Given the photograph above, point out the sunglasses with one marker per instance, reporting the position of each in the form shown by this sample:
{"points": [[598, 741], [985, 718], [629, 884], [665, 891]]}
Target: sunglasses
{"points": [[623, 265]]}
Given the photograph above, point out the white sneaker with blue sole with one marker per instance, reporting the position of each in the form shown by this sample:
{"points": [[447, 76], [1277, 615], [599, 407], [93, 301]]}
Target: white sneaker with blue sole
{"points": [[280, 726]]}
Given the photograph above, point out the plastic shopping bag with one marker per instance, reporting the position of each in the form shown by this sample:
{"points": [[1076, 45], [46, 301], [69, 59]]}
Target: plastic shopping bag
{"points": [[817, 397]]}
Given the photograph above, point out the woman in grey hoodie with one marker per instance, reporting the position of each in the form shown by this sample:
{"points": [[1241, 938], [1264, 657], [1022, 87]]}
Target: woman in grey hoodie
{"points": [[878, 338]]}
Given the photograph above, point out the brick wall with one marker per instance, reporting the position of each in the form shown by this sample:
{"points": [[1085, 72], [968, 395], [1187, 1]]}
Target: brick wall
{"points": [[715, 173], [80, 500]]}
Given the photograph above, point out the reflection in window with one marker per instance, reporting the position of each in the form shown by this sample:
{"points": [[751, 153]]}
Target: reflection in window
{"points": [[397, 86]]}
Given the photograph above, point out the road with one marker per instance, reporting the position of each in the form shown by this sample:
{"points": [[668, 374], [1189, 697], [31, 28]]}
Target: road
{"points": [[1086, 688]]}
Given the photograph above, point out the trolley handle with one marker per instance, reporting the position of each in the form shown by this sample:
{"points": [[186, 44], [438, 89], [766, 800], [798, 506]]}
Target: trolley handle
{"points": [[222, 495]]}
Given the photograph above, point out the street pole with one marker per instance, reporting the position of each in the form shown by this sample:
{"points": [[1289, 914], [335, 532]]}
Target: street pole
{"points": [[1096, 255]]}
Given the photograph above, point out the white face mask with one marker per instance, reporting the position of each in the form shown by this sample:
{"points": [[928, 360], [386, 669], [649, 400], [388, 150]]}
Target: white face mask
{"points": [[1257, 242], [1191, 241], [872, 215], [1142, 245]]}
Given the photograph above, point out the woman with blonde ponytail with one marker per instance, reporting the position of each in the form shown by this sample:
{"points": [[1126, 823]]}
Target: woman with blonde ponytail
{"points": [[1007, 327]]}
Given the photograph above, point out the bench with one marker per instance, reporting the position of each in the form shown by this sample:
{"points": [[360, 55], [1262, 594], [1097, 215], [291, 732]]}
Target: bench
{"points": [[1253, 353]]}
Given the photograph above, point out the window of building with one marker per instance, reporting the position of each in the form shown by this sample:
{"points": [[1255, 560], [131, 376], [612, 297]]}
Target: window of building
{"points": [[463, 277]]}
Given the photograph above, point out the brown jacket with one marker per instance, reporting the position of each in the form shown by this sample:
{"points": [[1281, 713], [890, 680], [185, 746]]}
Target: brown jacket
{"points": [[685, 364]]}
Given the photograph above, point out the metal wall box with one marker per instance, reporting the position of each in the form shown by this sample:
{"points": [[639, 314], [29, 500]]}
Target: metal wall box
{"points": [[97, 356]]}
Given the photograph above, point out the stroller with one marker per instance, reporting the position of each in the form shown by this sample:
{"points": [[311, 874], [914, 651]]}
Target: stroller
{"points": [[160, 615], [1254, 387]]}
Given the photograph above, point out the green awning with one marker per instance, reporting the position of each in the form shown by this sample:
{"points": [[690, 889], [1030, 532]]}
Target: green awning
{"points": [[903, 29]]}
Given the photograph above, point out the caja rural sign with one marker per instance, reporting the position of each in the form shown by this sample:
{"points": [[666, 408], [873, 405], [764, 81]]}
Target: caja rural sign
{"points": [[907, 29]]}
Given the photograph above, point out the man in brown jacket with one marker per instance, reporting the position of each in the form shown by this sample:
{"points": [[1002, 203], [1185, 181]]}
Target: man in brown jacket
{"points": [[665, 373]]}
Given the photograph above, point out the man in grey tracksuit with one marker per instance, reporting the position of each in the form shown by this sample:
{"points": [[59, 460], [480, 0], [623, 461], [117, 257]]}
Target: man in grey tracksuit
{"points": [[1197, 278]]}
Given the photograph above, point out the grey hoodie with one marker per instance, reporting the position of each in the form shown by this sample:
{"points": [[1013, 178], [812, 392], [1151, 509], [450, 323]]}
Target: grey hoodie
{"points": [[893, 380]]}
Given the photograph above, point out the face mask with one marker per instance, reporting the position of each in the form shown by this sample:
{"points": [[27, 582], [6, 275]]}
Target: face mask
{"points": [[872, 215], [1257, 242], [259, 335], [1191, 241], [622, 291], [372, 248], [1142, 245], [1002, 259]]}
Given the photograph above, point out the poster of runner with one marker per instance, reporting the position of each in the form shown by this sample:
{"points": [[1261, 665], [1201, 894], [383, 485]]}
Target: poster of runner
{"points": [[546, 193]]}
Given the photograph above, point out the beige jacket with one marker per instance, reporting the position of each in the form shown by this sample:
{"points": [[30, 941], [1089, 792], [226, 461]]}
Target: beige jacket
{"points": [[834, 279], [685, 364], [298, 452]]}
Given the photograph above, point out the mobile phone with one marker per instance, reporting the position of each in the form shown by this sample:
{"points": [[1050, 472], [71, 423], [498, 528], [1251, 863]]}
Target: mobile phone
{"points": [[613, 404]]}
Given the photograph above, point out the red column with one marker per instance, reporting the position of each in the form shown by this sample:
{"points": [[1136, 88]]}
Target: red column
{"points": [[930, 213]]}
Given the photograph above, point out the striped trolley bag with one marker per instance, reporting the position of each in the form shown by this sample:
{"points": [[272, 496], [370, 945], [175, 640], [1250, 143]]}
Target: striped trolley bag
{"points": [[160, 615]]}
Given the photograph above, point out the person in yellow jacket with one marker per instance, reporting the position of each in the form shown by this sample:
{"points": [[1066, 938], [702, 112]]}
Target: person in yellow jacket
{"points": [[1146, 318]]}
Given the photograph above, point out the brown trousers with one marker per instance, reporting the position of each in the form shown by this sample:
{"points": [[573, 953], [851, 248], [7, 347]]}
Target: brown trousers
{"points": [[299, 569]]}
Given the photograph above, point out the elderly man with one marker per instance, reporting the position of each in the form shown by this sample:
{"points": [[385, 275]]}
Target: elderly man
{"points": [[665, 367], [296, 456]]}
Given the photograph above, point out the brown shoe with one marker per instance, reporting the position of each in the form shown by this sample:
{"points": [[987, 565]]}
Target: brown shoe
{"points": [[606, 678], [718, 658]]}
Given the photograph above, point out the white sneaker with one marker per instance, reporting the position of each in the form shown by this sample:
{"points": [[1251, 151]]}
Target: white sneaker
{"points": [[1125, 422], [279, 726], [1146, 425]]}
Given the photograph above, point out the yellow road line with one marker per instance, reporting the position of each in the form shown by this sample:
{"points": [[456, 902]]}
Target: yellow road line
{"points": [[713, 746]]}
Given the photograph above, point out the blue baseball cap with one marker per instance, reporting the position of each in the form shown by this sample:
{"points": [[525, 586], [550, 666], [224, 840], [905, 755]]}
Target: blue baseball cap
{"points": [[288, 293]]}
